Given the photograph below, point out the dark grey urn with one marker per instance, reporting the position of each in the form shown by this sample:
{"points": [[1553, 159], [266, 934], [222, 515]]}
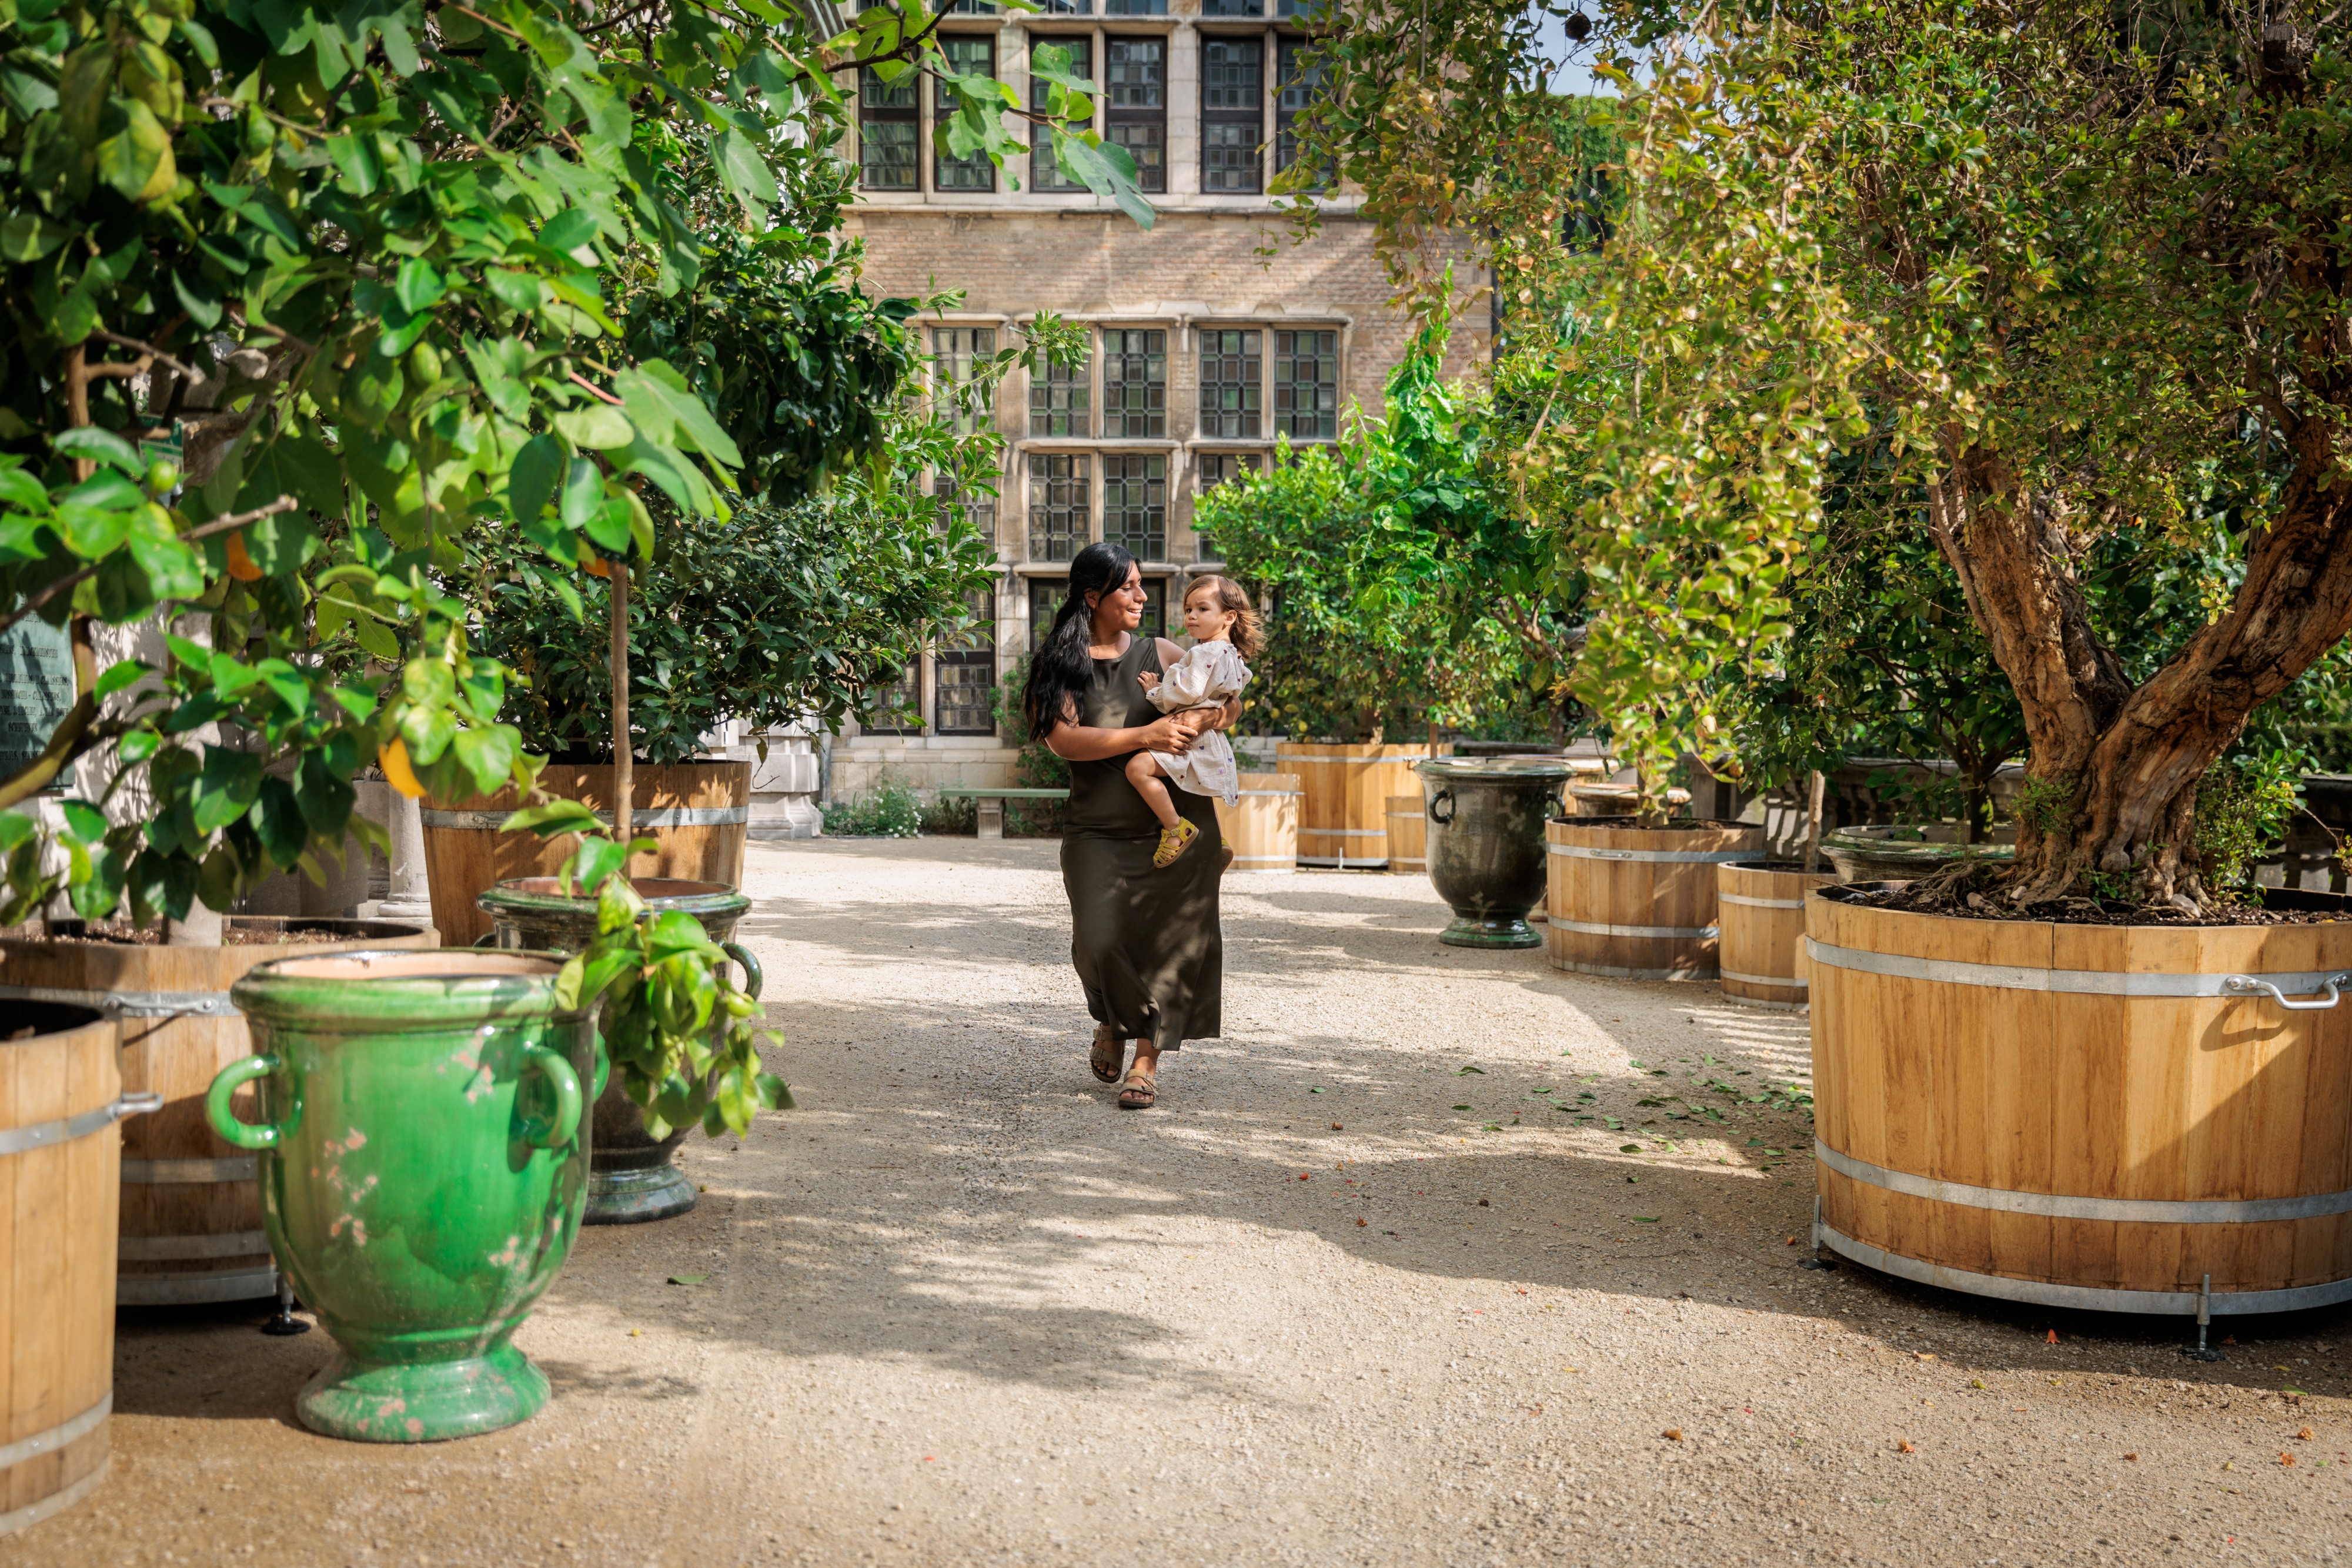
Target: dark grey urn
{"points": [[1487, 853], [630, 1176]]}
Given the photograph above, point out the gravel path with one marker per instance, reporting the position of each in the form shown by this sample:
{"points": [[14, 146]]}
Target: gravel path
{"points": [[1361, 1291]]}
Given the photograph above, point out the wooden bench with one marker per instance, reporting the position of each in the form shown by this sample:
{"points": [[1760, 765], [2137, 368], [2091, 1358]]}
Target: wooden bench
{"points": [[991, 804]]}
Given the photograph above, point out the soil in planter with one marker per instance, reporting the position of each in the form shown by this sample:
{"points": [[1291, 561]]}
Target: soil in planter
{"points": [[1976, 897]]}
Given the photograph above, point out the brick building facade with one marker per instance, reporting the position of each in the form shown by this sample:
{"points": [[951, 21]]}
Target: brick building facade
{"points": [[1204, 351]]}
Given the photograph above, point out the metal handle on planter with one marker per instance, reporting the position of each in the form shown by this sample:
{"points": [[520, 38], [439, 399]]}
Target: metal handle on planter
{"points": [[1443, 797], [557, 1131], [2247, 986], [233, 1077], [487, 939], [752, 979]]}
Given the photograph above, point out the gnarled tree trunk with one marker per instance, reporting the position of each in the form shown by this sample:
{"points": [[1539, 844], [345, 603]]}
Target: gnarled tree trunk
{"points": [[2113, 769]]}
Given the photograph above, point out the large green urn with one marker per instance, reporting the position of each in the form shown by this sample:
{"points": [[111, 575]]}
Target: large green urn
{"points": [[423, 1160], [1486, 846], [630, 1176]]}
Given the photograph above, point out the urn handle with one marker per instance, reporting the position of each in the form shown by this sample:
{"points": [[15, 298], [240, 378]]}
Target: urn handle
{"points": [[2247, 986], [557, 1130], [235, 1076], [752, 979], [1443, 797]]}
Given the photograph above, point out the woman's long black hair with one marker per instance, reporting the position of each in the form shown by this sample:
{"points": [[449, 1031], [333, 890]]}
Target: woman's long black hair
{"points": [[1061, 670]]}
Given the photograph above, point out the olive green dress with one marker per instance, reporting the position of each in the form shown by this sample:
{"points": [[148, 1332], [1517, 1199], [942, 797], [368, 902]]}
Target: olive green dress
{"points": [[1145, 941]]}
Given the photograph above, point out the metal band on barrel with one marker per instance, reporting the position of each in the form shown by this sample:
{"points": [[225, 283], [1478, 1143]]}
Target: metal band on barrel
{"points": [[2174, 1304], [2052, 1206], [1671, 857], [1785, 982], [1600, 928], [1759, 903], [654, 817], [129, 1003], [184, 1248], [2084, 982], [175, 1173], [66, 1129], [56, 1437]]}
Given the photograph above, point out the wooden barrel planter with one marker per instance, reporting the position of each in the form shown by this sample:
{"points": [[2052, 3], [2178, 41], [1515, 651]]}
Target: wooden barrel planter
{"points": [[60, 1097], [699, 814], [1343, 812], [1408, 836], [1263, 825], [191, 1224], [2143, 1119], [1761, 913], [1638, 903]]}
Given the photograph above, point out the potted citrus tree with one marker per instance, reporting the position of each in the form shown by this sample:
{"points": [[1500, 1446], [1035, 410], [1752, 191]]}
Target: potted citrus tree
{"points": [[295, 301]]}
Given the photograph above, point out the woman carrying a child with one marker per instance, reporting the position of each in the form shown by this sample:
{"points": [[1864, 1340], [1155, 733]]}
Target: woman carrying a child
{"points": [[1139, 859]]}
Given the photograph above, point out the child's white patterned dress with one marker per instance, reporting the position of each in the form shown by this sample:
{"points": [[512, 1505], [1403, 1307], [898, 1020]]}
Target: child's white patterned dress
{"points": [[1208, 676]]}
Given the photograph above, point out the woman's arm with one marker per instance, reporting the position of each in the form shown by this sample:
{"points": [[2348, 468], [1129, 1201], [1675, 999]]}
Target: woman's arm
{"points": [[1074, 742]]}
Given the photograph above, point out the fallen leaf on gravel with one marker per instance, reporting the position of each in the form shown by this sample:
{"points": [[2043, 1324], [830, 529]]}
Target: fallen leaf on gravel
{"points": [[635, 1333], [2304, 1433], [1645, 1220], [688, 1278], [2278, 1369], [1462, 1107], [1792, 1241], [1976, 1382], [1361, 1220], [2286, 1458], [1302, 1176], [1479, 1070], [1629, 1148], [1315, 1092], [2053, 1336], [1925, 1354], [1672, 1433], [2132, 1458], [1906, 1447], [2229, 1339], [1337, 1128]]}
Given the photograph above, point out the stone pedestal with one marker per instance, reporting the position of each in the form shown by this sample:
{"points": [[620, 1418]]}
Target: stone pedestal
{"points": [[410, 897]]}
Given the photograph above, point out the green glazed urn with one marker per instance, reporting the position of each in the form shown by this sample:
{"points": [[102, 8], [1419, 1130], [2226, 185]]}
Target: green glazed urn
{"points": [[630, 1176], [423, 1160]]}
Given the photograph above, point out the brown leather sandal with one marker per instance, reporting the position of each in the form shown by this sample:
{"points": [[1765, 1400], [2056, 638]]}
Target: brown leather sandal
{"points": [[1108, 1055], [1138, 1093]]}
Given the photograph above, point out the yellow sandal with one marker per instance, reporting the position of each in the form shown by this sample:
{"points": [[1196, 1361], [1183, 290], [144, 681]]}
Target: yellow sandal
{"points": [[1173, 843]]}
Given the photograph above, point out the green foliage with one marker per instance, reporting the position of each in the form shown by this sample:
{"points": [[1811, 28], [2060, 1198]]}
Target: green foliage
{"points": [[1401, 591], [2243, 813], [397, 278], [1036, 767], [677, 1033], [889, 810]]}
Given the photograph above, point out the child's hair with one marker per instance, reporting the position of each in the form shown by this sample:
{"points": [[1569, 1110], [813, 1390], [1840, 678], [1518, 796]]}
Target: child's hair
{"points": [[1248, 634]]}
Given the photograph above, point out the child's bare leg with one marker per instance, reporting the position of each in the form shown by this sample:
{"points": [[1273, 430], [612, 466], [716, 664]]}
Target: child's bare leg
{"points": [[1143, 772]]}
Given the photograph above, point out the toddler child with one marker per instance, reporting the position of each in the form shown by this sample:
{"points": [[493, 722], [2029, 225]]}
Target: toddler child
{"points": [[1218, 614]]}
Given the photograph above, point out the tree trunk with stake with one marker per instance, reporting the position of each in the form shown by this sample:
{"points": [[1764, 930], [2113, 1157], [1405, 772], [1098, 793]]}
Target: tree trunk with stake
{"points": [[623, 783]]}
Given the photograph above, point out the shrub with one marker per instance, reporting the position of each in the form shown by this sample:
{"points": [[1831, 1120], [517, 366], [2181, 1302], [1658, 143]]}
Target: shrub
{"points": [[889, 810]]}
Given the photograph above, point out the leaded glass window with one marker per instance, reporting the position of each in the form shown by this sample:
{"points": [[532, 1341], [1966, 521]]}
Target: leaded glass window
{"points": [[1296, 84], [963, 673], [1306, 386], [1219, 468], [1135, 503], [966, 57], [888, 136], [1060, 399], [1045, 170], [953, 348], [1135, 7], [977, 505], [1233, 110], [1135, 381], [1061, 486], [1230, 376], [1135, 92], [895, 707]]}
